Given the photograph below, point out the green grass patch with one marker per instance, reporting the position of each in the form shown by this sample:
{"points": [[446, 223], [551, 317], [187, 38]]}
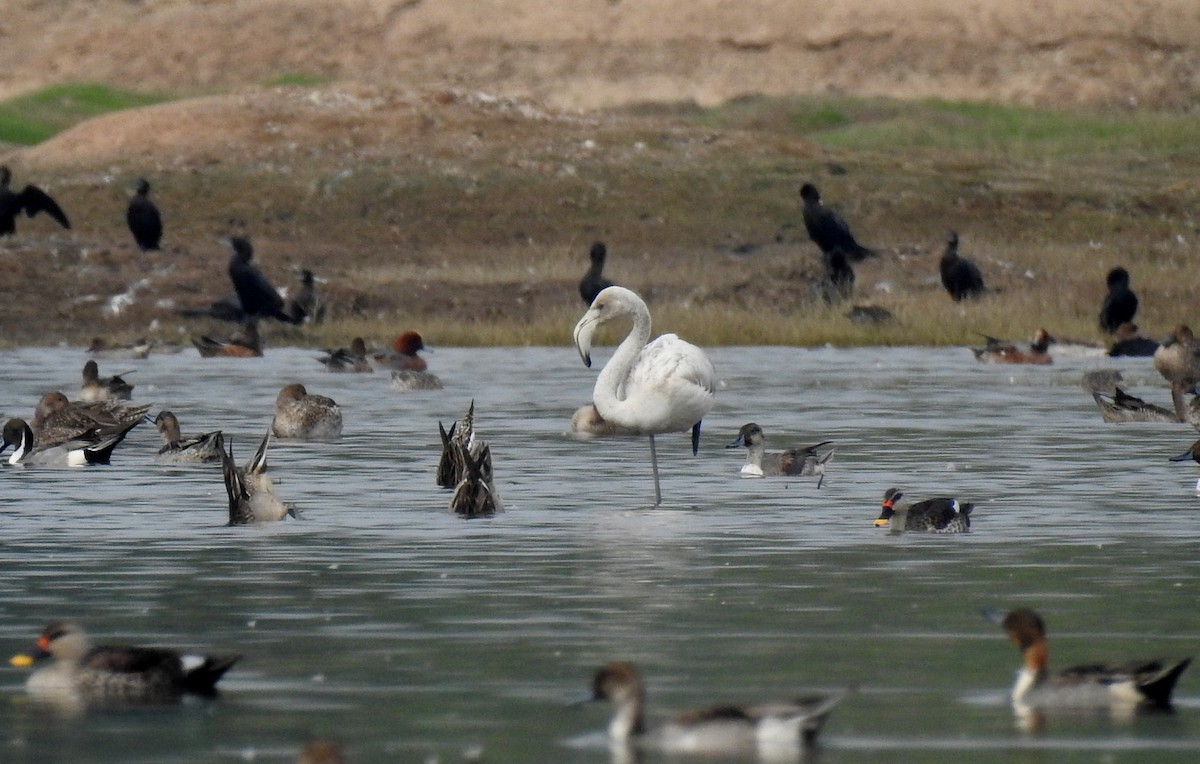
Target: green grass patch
{"points": [[34, 117], [297, 79], [890, 125]]}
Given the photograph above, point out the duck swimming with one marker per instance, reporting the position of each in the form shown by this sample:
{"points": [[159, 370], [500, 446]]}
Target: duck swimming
{"points": [[304, 416], [1134, 684], [1123, 407], [353, 360], [82, 675], [246, 343], [768, 729], [794, 461], [403, 355], [97, 388], [94, 446], [998, 351], [176, 450], [940, 515], [1128, 341]]}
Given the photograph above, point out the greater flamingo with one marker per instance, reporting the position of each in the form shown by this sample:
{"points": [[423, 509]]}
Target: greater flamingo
{"points": [[667, 385]]}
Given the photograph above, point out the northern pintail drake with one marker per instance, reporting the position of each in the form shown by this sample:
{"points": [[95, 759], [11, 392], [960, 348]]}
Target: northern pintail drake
{"points": [[940, 515], [143, 218], [1120, 304], [586, 422], [769, 730], [246, 343], [667, 385], [97, 388], [177, 450], [92, 447], [1090, 686], [1123, 407], [251, 492], [31, 200], [826, 227], [1128, 341], [1178, 360], [997, 351], [102, 348], [57, 419], [403, 355], [960, 276], [794, 461], [81, 675], [593, 281], [458, 441], [352, 359], [304, 416]]}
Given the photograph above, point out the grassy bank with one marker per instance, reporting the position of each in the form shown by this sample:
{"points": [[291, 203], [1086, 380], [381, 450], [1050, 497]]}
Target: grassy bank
{"points": [[472, 223]]}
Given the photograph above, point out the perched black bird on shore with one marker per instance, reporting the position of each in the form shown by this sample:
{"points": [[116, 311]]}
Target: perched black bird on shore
{"points": [[827, 229], [31, 200], [959, 275], [838, 282], [306, 305], [593, 281], [1120, 304], [143, 218], [256, 294]]}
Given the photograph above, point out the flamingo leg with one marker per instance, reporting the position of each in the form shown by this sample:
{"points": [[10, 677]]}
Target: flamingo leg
{"points": [[654, 467], [695, 438]]}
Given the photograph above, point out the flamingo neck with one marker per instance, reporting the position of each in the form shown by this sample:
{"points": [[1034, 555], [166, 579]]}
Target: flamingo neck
{"points": [[608, 395]]}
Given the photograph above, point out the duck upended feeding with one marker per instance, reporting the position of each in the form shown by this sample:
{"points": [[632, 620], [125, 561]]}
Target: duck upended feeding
{"points": [[466, 467], [940, 515], [593, 282], [667, 385], [1120, 304], [95, 446], [770, 729], [143, 218], [960, 276], [82, 675], [305, 416], [1096, 686], [31, 200], [251, 491], [96, 388], [827, 229], [794, 461], [176, 450]]}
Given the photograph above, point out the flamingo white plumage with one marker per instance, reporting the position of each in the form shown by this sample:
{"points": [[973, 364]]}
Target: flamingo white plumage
{"points": [[667, 385]]}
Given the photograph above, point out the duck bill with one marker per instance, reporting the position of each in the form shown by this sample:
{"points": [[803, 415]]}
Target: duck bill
{"points": [[739, 442], [21, 660]]}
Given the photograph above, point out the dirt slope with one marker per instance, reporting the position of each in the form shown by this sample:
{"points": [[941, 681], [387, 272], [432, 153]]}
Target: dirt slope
{"points": [[589, 53]]}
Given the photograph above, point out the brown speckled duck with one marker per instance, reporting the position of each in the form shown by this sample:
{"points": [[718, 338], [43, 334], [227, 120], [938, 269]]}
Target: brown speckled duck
{"points": [[303, 416], [177, 450]]}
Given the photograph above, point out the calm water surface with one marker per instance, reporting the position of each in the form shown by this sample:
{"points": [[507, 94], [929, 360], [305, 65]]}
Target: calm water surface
{"points": [[382, 621]]}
